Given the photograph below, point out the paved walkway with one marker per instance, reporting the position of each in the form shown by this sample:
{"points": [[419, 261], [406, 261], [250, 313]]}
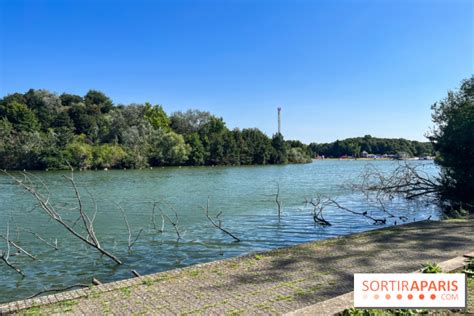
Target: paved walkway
{"points": [[278, 281]]}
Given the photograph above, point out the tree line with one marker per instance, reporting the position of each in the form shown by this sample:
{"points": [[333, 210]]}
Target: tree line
{"points": [[372, 145], [43, 130]]}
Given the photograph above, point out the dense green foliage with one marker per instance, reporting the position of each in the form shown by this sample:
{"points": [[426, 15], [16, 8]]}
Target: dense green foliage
{"points": [[453, 140], [372, 145], [41, 130]]}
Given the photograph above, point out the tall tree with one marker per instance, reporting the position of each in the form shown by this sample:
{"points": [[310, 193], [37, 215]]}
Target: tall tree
{"points": [[453, 140]]}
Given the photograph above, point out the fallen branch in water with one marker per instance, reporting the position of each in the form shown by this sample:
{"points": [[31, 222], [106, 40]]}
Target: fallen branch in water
{"points": [[174, 223], [365, 213], [33, 187], [319, 204], [219, 224], [406, 180], [318, 207], [5, 255], [20, 249], [54, 246]]}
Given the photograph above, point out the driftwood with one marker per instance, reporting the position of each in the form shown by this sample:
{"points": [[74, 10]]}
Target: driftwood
{"points": [[33, 187], [218, 225]]}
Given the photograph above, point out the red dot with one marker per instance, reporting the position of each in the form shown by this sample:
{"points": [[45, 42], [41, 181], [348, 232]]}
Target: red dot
{"points": [[422, 296], [410, 296], [376, 296], [399, 296], [387, 296], [433, 296]]}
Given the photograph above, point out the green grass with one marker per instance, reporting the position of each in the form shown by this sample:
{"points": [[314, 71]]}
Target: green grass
{"points": [[147, 282], [33, 311], [126, 291], [93, 293], [194, 273], [280, 298]]}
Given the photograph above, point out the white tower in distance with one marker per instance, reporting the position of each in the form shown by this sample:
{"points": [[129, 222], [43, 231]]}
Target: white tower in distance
{"points": [[279, 120]]}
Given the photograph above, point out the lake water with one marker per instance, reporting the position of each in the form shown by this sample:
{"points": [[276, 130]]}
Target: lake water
{"points": [[243, 194]]}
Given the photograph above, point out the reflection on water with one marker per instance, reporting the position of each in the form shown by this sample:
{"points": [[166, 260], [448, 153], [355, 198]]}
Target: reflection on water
{"points": [[245, 195]]}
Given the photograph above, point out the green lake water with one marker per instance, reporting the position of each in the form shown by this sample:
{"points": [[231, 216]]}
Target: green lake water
{"points": [[242, 194]]}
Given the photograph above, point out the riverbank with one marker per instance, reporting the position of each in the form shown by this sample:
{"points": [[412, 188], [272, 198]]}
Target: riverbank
{"points": [[276, 282]]}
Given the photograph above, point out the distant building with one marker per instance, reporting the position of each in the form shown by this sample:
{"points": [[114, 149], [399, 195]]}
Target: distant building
{"points": [[364, 154]]}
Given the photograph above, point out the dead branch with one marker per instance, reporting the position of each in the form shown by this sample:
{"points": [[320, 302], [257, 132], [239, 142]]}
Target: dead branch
{"points": [[5, 255], [174, 223], [15, 245], [383, 208], [55, 290], [96, 281], [130, 241], [278, 201], [49, 209], [219, 224], [319, 204], [52, 245], [365, 213], [318, 207], [406, 180], [154, 222]]}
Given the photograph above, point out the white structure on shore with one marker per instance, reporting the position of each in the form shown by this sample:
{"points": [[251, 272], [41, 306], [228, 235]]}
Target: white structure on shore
{"points": [[279, 120]]}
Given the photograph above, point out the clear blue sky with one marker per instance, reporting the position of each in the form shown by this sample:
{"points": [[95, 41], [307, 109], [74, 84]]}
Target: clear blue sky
{"points": [[338, 68]]}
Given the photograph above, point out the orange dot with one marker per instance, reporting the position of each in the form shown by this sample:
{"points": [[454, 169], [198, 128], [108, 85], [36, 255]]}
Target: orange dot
{"points": [[433, 296], [399, 296], [422, 296], [376, 296], [410, 296], [387, 296]]}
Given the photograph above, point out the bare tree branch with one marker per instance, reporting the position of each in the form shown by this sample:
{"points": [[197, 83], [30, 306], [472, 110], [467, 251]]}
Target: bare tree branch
{"points": [[52, 245], [406, 180], [153, 219], [278, 201], [5, 255], [318, 207], [44, 203], [15, 245], [130, 241], [174, 223], [219, 224]]}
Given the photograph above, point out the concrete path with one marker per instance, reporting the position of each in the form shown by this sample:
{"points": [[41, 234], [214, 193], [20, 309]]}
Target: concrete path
{"points": [[274, 282]]}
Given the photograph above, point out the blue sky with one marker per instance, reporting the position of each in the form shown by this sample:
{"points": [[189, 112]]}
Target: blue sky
{"points": [[337, 68]]}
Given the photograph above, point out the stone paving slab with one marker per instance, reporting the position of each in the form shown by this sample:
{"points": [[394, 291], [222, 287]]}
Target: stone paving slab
{"points": [[274, 282]]}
